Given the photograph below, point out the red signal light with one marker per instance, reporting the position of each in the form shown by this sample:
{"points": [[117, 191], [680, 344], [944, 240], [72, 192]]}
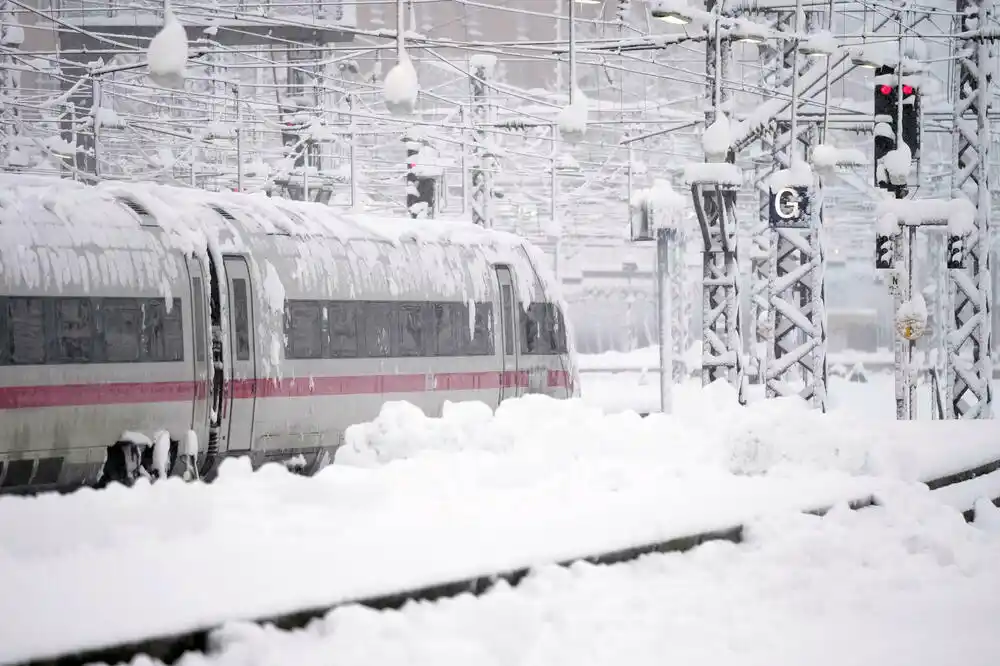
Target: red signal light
{"points": [[907, 90], [886, 90]]}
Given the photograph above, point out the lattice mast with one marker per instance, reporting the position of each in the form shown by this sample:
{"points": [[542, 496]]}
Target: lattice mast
{"points": [[11, 36], [969, 371], [796, 307], [722, 347], [772, 67]]}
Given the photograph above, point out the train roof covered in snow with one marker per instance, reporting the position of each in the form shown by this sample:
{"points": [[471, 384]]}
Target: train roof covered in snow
{"points": [[58, 235]]}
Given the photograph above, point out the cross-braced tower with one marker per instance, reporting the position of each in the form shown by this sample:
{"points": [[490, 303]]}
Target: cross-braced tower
{"points": [[715, 205], [796, 320], [969, 367], [11, 35]]}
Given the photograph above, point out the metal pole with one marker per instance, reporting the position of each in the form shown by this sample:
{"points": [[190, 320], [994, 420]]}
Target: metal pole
{"points": [[902, 257], [305, 171], [899, 84], [95, 106], [793, 146], [826, 81], [557, 256], [898, 287], [353, 155], [554, 181], [466, 138], [572, 50], [400, 27], [911, 385], [717, 94], [630, 183], [663, 319], [239, 141]]}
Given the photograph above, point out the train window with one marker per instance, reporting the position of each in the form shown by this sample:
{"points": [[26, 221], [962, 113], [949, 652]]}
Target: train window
{"points": [[26, 321], [4, 337], [200, 333], [531, 326], [241, 319], [343, 330], [507, 301], [482, 339], [304, 329], [120, 322], [162, 331], [74, 337], [378, 324], [447, 321], [536, 327], [413, 331], [560, 343], [463, 336]]}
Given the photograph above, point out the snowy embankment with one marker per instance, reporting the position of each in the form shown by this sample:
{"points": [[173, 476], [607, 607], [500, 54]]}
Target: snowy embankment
{"points": [[413, 501]]}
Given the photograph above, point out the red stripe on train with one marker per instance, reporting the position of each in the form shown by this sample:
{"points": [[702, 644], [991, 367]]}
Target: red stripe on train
{"points": [[72, 395], [126, 393]]}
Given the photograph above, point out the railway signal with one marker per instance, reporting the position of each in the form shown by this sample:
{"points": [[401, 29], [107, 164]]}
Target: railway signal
{"points": [[889, 95], [884, 251], [421, 191]]}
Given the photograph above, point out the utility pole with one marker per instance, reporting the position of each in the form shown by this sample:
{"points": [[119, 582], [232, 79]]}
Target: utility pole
{"points": [[239, 138], [664, 315], [353, 153], [969, 375]]}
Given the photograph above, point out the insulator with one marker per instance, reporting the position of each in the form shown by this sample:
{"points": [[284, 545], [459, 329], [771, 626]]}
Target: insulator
{"points": [[623, 7]]}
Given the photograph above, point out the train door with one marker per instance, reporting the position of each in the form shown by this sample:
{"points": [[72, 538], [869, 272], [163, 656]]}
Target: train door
{"points": [[508, 324], [200, 345], [242, 393]]}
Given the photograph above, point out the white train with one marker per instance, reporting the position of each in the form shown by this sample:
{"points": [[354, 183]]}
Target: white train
{"points": [[254, 326]]}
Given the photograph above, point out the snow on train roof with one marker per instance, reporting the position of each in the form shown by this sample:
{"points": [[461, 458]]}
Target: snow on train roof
{"points": [[49, 228]]}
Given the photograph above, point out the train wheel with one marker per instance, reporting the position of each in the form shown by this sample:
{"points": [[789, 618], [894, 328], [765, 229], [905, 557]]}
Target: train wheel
{"points": [[122, 465]]}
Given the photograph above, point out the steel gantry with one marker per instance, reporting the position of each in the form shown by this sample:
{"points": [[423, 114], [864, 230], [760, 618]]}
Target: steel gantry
{"points": [[787, 268], [714, 191], [969, 371]]}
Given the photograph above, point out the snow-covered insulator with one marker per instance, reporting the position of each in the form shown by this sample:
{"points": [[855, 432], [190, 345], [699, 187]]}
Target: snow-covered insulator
{"points": [[573, 120], [167, 54], [401, 88]]}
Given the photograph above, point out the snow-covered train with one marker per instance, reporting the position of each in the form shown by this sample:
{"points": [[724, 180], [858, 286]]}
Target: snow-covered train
{"points": [[145, 326]]}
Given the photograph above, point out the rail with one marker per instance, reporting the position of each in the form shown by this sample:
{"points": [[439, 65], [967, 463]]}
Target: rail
{"points": [[171, 648]]}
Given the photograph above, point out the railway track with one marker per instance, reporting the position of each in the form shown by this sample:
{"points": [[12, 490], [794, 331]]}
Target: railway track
{"points": [[170, 648]]}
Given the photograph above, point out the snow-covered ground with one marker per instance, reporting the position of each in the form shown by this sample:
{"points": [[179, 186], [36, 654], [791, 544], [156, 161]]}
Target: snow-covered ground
{"points": [[619, 381], [413, 501], [904, 584], [640, 392]]}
